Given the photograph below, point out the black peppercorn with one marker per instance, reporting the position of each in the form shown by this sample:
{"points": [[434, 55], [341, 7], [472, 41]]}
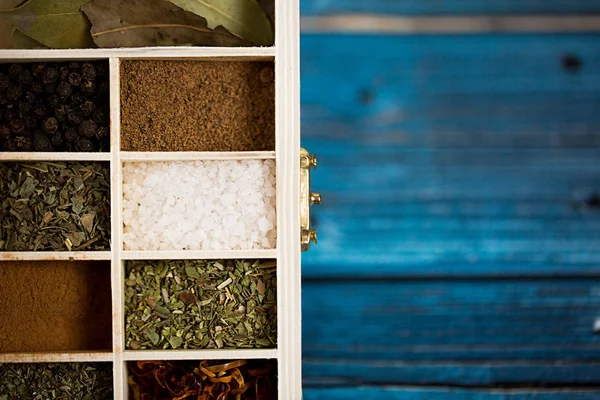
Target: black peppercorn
{"points": [[50, 75], [74, 78], [63, 73], [103, 87], [57, 140], [9, 113], [41, 143], [87, 108], [4, 81], [50, 88], [37, 87], [14, 92], [50, 125], [4, 131], [77, 98], [23, 143], [39, 112], [87, 87], [9, 145], [85, 145], [74, 66], [88, 128], [100, 116], [24, 109], [53, 101], [3, 98], [38, 69], [71, 135], [102, 69], [102, 132], [31, 122], [14, 70], [64, 90], [25, 77], [88, 71], [30, 97], [61, 112], [18, 126], [74, 118]]}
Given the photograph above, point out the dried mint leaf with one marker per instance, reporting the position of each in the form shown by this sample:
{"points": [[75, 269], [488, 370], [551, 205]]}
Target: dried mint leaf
{"points": [[58, 24], [138, 23], [54, 206], [244, 18]]}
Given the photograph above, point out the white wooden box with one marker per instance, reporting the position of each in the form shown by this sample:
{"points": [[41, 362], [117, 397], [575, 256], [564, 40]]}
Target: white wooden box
{"points": [[285, 54]]}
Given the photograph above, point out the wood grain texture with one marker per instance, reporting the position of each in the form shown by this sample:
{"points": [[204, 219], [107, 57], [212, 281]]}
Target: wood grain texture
{"points": [[454, 332], [453, 155], [445, 7], [415, 393], [344, 372]]}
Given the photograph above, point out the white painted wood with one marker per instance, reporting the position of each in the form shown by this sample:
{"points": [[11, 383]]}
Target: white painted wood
{"points": [[77, 356], [196, 155], [287, 128], [54, 255], [198, 254], [120, 382], [207, 354], [137, 53], [53, 156], [381, 24]]}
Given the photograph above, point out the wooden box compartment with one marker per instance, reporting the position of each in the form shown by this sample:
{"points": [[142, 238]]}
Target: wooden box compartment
{"points": [[280, 150]]}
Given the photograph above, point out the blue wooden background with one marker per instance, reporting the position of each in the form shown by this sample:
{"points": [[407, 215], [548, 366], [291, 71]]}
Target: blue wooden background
{"points": [[460, 231]]}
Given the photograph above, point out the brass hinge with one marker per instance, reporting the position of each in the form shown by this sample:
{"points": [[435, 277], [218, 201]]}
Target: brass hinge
{"points": [[307, 199]]}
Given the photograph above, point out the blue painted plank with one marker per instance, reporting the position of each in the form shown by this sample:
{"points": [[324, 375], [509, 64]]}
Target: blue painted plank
{"points": [[459, 320], [344, 372], [428, 92], [448, 7], [415, 393], [473, 155]]}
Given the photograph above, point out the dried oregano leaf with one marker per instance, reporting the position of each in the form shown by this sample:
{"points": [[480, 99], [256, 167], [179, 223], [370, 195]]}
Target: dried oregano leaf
{"points": [[58, 24], [138, 23], [200, 304], [244, 18]]}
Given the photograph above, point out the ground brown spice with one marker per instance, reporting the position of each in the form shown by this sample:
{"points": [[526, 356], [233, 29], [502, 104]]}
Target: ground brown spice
{"points": [[197, 106], [55, 306]]}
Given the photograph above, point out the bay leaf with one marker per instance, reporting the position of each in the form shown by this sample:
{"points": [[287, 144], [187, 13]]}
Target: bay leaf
{"points": [[139, 23], [58, 24], [22, 41], [244, 18]]}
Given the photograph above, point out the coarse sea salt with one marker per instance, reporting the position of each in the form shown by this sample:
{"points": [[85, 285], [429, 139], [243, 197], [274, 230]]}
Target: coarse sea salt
{"points": [[199, 205]]}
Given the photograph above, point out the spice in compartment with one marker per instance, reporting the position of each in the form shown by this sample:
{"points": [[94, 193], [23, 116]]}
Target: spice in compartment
{"points": [[200, 304], [197, 106], [199, 205], [76, 381], [231, 379], [55, 306], [54, 107], [54, 206]]}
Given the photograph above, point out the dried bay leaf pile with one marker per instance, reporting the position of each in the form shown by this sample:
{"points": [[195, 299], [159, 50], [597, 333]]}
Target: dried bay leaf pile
{"points": [[200, 304], [62, 24], [54, 206]]}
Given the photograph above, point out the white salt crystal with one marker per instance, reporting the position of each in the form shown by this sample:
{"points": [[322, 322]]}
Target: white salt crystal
{"points": [[196, 205]]}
